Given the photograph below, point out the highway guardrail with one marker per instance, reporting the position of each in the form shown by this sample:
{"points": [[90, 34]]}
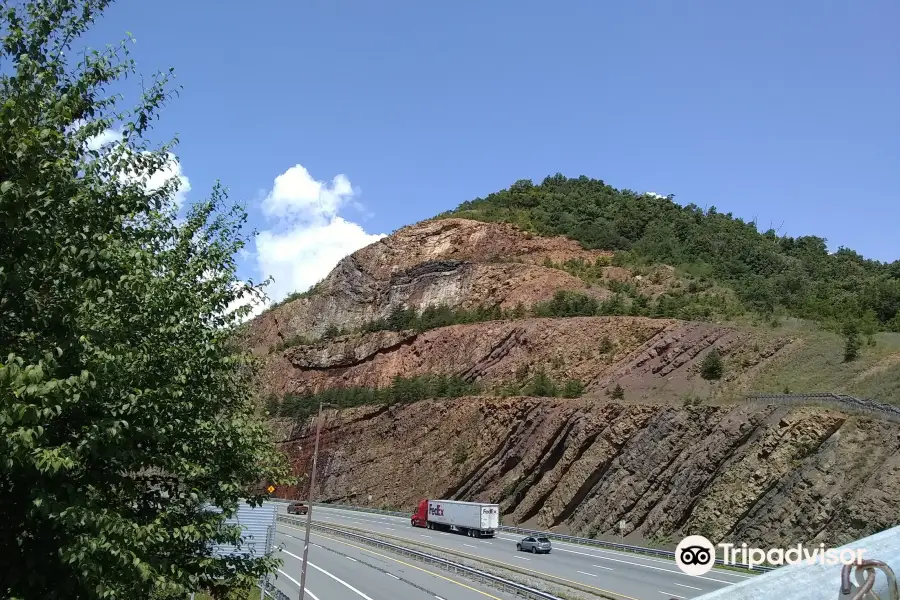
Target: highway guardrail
{"points": [[448, 565], [571, 539]]}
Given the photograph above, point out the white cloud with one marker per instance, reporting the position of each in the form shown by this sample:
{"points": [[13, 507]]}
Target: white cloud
{"points": [[302, 256], [108, 136], [312, 238], [246, 299], [171, 169], [296, 194], [655, 195]]}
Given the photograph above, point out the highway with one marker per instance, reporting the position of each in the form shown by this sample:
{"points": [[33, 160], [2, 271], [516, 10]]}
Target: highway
{"points": [[342, 570], [620, 575]]}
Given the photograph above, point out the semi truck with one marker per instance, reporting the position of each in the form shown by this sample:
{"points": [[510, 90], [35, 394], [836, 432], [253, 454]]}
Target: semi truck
{"points": [[475, 519]]}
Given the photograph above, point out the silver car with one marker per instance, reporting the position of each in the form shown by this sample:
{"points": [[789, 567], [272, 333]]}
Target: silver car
{"points": [[535, 545]]}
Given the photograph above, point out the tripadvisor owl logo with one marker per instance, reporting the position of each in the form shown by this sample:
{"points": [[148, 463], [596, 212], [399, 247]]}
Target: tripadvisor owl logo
{"points": [[695, 555]]}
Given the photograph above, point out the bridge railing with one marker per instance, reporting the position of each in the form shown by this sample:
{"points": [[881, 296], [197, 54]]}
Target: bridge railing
{"points": [[819, 580]]}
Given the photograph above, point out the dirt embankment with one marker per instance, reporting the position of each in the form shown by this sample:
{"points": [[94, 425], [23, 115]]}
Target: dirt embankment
{"points": [[762, 475]]}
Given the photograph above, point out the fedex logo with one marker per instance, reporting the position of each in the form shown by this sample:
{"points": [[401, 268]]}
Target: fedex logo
{"points": [[436, 510]]}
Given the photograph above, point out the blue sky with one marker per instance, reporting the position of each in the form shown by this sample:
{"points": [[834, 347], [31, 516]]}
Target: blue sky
{"points": [[781, 111]]}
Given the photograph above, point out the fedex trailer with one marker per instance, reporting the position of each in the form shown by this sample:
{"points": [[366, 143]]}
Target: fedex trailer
{"points": [[475, 519]]}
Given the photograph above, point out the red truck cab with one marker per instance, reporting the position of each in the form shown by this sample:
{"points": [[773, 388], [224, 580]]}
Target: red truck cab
{"points": [[420, 517]]}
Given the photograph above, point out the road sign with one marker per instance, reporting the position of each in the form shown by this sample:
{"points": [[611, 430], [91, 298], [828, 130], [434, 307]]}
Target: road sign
{"points": [[258, 536], [271, 488]]}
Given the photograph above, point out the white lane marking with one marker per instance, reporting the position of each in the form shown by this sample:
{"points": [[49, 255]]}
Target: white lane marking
{"points": [[586, 573], [311, 595], [628, 554], [438, 597], [392, 575], [470, 545], [390, 529], [679, 572], [669, 595], [321, 570], [340, 581], [521, 558], [351, 558], [424, 535], [687, 586]]}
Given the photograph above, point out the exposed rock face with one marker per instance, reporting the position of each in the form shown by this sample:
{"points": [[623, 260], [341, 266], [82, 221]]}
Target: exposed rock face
{"points": [[456, 262], [762, 475], [490, 353], [647, 357]]}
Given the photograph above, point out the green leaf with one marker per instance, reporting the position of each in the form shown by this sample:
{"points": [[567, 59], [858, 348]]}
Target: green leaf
{"points": [[110, 368]]}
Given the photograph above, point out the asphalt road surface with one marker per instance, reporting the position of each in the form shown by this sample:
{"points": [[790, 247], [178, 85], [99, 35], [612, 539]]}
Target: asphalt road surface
{"points": [[339, 569], [621, 575]]}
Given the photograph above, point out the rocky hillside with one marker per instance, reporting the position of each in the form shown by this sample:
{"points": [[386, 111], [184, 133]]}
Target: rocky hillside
{"points": [[569, 390], [454, 261], [749, 472]]}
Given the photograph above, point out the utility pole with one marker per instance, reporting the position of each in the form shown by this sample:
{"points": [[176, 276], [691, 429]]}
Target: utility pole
{"points": [[309, 507]]}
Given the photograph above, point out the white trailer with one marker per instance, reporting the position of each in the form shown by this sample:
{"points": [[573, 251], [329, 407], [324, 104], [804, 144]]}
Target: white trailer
{"points": [[475, 519]]}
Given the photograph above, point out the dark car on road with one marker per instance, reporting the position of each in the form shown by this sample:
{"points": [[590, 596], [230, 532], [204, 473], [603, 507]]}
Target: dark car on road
{"points": [[297, 508], [535, 545]]}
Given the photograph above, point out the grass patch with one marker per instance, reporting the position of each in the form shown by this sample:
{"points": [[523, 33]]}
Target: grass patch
{"points": [[251, 593], [405, 319], [403, 390], [627, 301], [539, 385], [819, 365]]}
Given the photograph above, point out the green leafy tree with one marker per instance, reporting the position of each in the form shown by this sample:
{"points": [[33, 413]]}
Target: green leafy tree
{"points": [[618, 392], [541, 385], [573, 388], [765, 272], [712, 367], [567, 304], [852, 341], [125, 403], [606, 345]]}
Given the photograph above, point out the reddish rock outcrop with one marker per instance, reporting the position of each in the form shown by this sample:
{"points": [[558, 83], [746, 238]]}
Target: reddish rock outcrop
{"points": [[764, 475]]}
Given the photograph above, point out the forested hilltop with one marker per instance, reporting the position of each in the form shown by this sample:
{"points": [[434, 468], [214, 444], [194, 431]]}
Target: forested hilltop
{"points": [[769, 274]]}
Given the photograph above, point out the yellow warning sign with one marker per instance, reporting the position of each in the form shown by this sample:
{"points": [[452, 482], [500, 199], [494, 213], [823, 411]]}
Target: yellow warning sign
{"points": [[271, 488]]}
